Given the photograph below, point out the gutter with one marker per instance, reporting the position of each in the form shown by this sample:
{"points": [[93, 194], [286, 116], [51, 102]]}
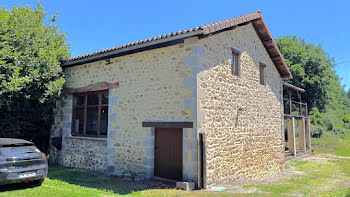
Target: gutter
{"points": [[131, 48]]}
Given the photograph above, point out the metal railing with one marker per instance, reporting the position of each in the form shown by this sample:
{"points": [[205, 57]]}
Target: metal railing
{"points": [[295, 108]]}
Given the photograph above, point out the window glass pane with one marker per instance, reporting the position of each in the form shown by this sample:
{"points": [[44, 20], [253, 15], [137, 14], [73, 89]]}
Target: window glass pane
{"points": [[92, 99], [105, 98], [79, 121], [104, 120], [91, 120], [234, 62], [79, 100], [262, 75]]}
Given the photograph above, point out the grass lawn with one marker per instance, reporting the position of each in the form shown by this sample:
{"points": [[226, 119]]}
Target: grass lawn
{"points": [[338, 145], [316, 176], [319, 175], [75, 182]]}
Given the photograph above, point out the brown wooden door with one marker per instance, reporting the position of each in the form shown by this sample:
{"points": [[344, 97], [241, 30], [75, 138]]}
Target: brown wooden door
{"points": [[168, 153]]}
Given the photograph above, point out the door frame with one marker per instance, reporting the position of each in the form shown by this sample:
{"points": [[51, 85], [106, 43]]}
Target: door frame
{"points": [[190, 164], [158, 129]]}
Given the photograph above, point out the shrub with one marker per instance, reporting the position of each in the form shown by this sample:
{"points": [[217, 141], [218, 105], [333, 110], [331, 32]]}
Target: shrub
{"points": [[31, 80], [316, 131], [339, 131]]}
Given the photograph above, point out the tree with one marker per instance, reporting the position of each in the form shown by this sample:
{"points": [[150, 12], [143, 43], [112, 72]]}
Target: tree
{"points": [[348, 93], [312, 69], [31, 79]]}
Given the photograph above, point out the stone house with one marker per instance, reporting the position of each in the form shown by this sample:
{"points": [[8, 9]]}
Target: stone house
{"points": [[203, 105]]}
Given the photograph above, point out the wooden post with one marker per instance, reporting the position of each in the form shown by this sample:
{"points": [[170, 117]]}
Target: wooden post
{"points": [[301, 129], [291, 137], [290, 101], [308, 134], [300, 105]]}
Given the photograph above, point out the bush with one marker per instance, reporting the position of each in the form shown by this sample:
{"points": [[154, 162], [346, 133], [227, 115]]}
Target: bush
{"points": [[316, 131], [345, 137], [31, 80], [339, 131]]}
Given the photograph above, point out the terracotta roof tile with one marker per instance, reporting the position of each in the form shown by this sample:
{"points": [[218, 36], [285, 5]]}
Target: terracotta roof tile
{"points": [[255, 18], [212, 28]]}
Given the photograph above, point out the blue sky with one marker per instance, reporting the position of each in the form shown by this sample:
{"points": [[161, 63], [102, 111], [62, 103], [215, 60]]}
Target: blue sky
{"points": [[93, 25]]}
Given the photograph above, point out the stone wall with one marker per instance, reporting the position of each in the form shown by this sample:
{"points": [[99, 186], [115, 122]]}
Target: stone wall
{"points": [[153, 85], [88, 153], [77, 152], [241, 118], [61, 127], [191, 81]]}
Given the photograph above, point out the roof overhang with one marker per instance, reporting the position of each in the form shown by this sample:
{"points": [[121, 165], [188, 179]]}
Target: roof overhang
{"points": [[108, 53]]}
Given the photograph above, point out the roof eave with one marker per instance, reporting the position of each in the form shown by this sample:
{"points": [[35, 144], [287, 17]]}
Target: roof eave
{"points": [[255, 17], [130, 48], [271, 47]]}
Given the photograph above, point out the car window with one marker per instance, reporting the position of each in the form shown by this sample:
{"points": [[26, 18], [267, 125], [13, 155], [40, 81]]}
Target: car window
{"points": [[17, 145]]}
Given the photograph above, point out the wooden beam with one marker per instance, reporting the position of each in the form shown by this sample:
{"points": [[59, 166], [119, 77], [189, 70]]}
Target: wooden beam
{"points": [[301, 130], [296, 117], [92, 87], [292, 87], [168, 124], [202, 172], [300, 104], [299, 96], [308, 134], [291, 137], [268, 42], [290, 101], [275, 58]]}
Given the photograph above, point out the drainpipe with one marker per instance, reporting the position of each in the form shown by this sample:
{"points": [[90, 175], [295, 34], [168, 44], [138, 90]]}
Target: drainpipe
{"points": [[202, 175]]}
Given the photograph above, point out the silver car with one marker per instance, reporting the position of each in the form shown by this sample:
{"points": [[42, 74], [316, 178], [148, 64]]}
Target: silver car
{"points": [[21, 161]]}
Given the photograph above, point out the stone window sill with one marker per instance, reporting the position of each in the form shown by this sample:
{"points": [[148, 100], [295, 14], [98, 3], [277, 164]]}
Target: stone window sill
{"points": [[86, 138]]}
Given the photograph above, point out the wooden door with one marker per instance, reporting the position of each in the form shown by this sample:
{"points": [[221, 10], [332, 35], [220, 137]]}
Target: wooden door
{"points": [[168, 153]]}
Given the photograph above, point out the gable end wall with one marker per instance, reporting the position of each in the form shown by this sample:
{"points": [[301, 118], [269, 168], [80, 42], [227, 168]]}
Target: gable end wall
{"points": [[246, 143]]}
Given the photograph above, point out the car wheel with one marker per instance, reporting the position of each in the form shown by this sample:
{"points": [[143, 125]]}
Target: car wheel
{"points": [[38, 182]]}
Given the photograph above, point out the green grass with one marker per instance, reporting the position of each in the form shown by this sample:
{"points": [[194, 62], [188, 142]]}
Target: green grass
{"points": [[95, 180], [75, 182], [53, 188], [328, 143], [321, 177]]}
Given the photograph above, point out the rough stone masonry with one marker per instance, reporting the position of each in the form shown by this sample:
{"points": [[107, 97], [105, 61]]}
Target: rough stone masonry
{"points": [[189, 81]]}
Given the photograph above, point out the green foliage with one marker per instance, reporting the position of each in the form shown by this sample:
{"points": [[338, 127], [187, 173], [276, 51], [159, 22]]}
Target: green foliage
{"points": [[31, 79], [312, 69], [316, 117], [316, 131], [346, 120]]}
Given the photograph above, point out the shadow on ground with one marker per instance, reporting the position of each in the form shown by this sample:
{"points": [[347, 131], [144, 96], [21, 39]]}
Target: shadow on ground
{"points": [[98, 180], [17, 186]]}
